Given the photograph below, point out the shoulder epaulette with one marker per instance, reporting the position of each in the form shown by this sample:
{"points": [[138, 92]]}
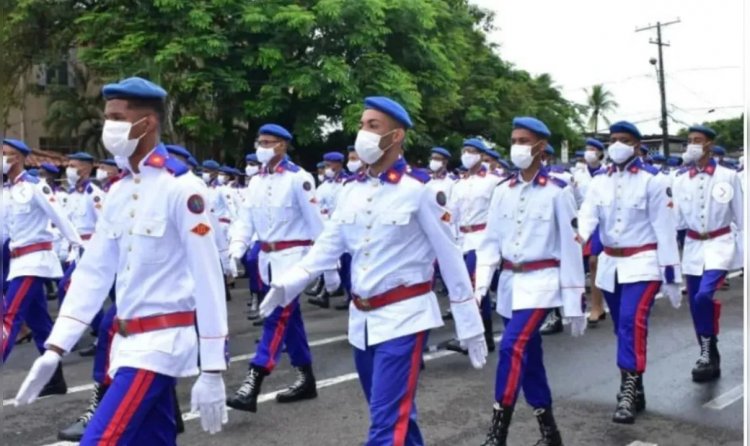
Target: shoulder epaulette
{"points": [[175, 167], [650, 169]]}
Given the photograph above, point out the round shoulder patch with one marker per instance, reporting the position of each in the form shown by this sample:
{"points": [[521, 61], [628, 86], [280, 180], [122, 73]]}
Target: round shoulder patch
{"points": [[307, 186], [441, 198], [195, 204], [97, 198], [46, 190], [669, 192], [574, 223]]}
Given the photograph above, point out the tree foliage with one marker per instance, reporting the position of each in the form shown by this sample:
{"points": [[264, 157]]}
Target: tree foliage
{"points": [[599, 103], [231, 65]]}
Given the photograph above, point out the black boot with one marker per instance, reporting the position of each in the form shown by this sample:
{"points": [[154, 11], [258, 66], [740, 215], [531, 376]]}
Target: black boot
{"points": [[626, 407], [708, 366], [246, 397], [553, 324], [454, 345], [252, 311], [342, 306], [498, 434], [56, 384], [548, 428], [180, 425], [488, 336], [316, 288], [74, 432], [640, 393], [322, 300], [304, 387]]}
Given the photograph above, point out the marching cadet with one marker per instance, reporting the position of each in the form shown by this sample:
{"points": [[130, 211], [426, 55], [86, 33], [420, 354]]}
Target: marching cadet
{"points": [[708, 198], [30, 209], [531, 234], [632, 205], [593, 156], [281, 208], [394, 227], [441, 179], [321, 175], [250, 259], [107, 173], [167, 275], [327, 195], [354, 165], [470, 199]]}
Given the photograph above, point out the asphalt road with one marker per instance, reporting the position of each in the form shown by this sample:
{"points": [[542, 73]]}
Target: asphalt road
{"points": [[454, 400]]}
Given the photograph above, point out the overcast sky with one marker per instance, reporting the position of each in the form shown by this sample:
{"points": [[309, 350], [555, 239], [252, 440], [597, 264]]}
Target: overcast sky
{"points": [[584, 42]]}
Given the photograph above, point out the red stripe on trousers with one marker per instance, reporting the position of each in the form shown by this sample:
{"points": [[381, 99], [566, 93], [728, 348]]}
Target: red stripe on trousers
{"points": [[640, 325], [517, 356], [110, 335], [404, 407], [717, 306], [129, 404], [278, 334], [8, 317]]}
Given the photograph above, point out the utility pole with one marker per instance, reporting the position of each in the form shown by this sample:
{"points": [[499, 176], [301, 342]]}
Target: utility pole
{"points": [[660, 74]]}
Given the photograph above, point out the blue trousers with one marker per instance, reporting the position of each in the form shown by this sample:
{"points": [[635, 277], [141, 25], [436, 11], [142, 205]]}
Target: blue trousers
{"points": [[107, 331], [345, 272], [703, 307], [630, 306], [283, 327], [470, 258], [388, 373], [26, 301], [250, 261], [521, 362], [138, 409], [62, 289]]}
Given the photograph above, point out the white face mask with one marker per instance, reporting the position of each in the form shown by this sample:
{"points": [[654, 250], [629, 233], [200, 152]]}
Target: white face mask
{"points": [[367, 146], [206, 177], [251, 170], [620, 152], [71, 173], [321, 178], [470, 160], [329, 173], [101, 174], [436, 165], [221, 180], [693, 152], [265, 154], [115, 137], [658, 165], [6, 165], [520, 155], [354, 166], [591, 157]]}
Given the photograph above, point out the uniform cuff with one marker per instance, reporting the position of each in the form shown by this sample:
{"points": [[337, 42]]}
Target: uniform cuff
{"points": [[213, 353], [573, 304], [467, 319], [65, 333]]}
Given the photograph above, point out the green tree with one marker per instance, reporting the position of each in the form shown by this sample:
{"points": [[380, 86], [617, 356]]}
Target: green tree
{"points": [[600, 102]]}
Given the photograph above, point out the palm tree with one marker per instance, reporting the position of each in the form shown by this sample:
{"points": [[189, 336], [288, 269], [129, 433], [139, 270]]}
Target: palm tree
{"points": [[599, 102]]}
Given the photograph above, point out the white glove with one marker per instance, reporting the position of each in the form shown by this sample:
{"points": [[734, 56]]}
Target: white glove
{"points": [[477, 348], [274, 298], [236, 251], [479, 294], [39, 375], [578, 325], [208, 399], [74, 254], [232, 270], [673, 292]]}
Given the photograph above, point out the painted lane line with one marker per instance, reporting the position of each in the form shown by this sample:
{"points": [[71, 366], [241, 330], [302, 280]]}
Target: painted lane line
{"points": [[726, 398]]}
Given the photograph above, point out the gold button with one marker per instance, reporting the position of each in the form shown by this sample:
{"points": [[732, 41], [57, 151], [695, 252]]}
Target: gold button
{"points": [[130, 232], [135, 196], [367, 254], [367, 240], [132, 213], [370, 212], [369, 199], [130, 248], [137, 180], [148, 231], [369, 226]]}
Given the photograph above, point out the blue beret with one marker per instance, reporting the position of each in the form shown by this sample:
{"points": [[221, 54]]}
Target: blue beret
{"points": [[81, 156], [531, 124], [594, 143], [133, 87], [252, 158], [227, 170], [719, 150], [580, 153], [320, 165], [33, 172], [493, 154], [441, 151], [709, 132], [333, 157], [350, 148], [659, 158], [49, 167], [108, 162], [549, 149], [178, 150], [674, 161], [18, 145], [644, 149], [192, 161], [625, 127], [477, 144], [211, 165], [275, 130], [390, 108]]}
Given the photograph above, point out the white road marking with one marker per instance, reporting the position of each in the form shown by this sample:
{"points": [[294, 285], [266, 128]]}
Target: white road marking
{"points": [[188, 416], [640, 443], [726, 398], [245, 357]]}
